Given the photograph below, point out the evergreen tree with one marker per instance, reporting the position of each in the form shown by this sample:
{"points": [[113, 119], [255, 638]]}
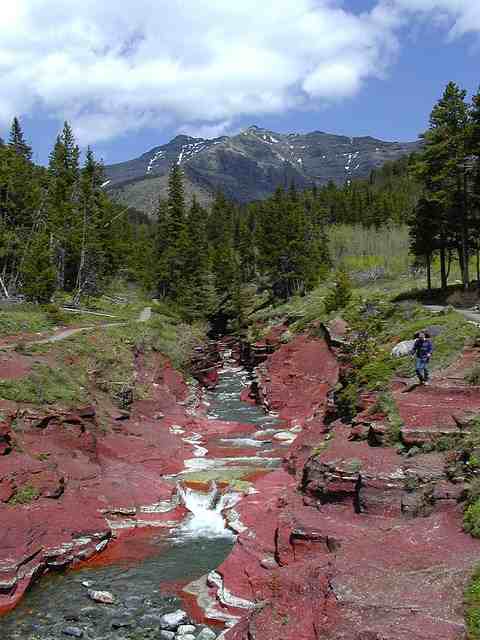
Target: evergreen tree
{"points": [[442, 167], [16, 140], [38, 274]]}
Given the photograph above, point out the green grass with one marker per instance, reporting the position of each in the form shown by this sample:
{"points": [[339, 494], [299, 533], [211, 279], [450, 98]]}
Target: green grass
{"points": [[472, 377], [24, 495], [76, 369], [472, 607], [359, 249], [23, 318], [386, 404], [45, 385]]}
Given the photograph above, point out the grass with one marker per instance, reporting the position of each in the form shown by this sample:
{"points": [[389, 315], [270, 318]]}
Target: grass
{"points": [[45, 385], [472, 377], [24, 495], [386, 405], [23, 318], [472, 607], [384, 251], [77, 370]]}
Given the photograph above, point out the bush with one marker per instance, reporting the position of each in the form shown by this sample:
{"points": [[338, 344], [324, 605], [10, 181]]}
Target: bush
{"points": [[54, 314], [471, 519], [472, 605], [24, 495], [341, 294], [472, 377]]}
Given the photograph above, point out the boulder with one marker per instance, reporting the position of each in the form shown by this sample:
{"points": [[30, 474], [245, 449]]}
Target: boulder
{"points": [[171, 621], [103, 597], [402, 349], [185, 629]]}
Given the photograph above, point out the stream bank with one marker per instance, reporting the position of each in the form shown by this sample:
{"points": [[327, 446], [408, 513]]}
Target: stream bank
{"points": [[218, 439]]}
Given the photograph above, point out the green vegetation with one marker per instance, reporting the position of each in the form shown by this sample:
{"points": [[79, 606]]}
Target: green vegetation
{"points": [[471, 519], [386, 405], [340, 295], [46, 385], [24, 495], [446, 217], [472, 605], [76, 370], [472, 377], [24, 318]]}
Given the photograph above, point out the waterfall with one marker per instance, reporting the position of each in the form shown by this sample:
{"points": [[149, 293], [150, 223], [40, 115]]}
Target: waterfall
{"points": [[206, 518]]}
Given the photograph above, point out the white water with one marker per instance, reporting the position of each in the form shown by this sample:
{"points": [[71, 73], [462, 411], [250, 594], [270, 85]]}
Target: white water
{"points": [[207, 509]]}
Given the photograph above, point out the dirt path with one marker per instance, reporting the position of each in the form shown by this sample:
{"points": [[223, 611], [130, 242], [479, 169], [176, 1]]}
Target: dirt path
{"points": [[473, 316], [144, 316]]}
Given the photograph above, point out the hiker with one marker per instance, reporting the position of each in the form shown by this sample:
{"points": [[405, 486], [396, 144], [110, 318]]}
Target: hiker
{"points": [[422, 350]]}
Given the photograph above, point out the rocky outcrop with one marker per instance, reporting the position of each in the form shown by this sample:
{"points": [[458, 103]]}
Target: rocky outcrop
{"points": [[350, 540], [68, 486]]}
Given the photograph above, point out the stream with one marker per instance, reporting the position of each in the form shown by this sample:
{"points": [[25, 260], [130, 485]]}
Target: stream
{"points": [[58, 606]]}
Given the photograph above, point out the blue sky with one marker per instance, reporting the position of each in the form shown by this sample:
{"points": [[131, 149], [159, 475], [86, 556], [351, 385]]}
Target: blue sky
{"points": [[356, 67]]}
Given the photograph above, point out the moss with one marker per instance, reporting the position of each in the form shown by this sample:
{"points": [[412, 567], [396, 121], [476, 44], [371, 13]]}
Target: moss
{"points": [[386, 405], [471, 519], [472, 377], [378, 373], [44, 385], [24, 495], [472, 607], [347, 401]]}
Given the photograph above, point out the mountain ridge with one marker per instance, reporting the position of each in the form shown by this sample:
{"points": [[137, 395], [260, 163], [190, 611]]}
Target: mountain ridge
{"points": [[249, 165]]}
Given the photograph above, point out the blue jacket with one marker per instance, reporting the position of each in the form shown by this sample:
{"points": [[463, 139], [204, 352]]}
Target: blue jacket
{"points": [[423, 348]]}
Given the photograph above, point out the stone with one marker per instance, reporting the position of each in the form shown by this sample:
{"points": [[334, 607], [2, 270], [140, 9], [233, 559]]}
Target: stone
{"points": [[269, 563], [122, 622], [184, 629], [134, 602], [93, 613], [151, 620], [171, 621], [187, 636], [206, 634], [73, 632], [166, 635], [104, 597]]}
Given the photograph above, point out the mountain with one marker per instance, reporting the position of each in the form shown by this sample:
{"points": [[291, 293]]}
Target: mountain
{"points": [[250, 165]]}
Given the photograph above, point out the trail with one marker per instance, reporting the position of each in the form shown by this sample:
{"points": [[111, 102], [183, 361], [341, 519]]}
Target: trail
{"points": [[145, 316], [473, 316]]}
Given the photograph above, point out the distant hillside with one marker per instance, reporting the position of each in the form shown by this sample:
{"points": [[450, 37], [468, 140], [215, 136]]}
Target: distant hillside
{"points": [[250, 165]]}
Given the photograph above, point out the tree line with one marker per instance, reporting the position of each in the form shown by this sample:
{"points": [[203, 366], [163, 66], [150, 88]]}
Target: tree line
{"points": [[206, 260], [58, 228], [446, 219]]}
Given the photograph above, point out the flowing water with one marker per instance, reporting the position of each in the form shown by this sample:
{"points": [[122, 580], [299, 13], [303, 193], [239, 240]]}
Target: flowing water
{"points": [[145, 589]]}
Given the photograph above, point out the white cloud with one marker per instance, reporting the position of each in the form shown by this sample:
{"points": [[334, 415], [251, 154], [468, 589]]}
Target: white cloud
{"points": [[458, 16], [192, 64]]}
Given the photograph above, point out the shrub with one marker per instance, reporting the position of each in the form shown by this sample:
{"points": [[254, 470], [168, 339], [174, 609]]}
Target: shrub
{"points": [[472, 377], [54, 314], [471, 519], [472, 606], [341, 294], [24, 495]]}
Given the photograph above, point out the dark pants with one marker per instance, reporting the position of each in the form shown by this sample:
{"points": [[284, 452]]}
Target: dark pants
{"points": [[421, 367]]}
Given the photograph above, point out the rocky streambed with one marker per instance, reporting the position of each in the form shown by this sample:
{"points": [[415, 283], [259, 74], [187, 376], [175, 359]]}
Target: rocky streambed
{"points": [[262, 521], [153, 551]]}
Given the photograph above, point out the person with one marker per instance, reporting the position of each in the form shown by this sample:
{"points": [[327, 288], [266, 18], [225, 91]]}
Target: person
{"points": [[422, 350]]}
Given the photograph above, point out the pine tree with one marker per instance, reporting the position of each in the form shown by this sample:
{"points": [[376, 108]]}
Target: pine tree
{"points": [[65, 217], [341, 294], [16, 140], [38, 274], [442, 167]]}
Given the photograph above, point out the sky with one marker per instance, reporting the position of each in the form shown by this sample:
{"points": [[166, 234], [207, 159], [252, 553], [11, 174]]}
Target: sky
{"points": [[130, 76]]}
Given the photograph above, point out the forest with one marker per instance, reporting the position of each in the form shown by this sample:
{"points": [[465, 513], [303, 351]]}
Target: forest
{"points": [[62, 234]]}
